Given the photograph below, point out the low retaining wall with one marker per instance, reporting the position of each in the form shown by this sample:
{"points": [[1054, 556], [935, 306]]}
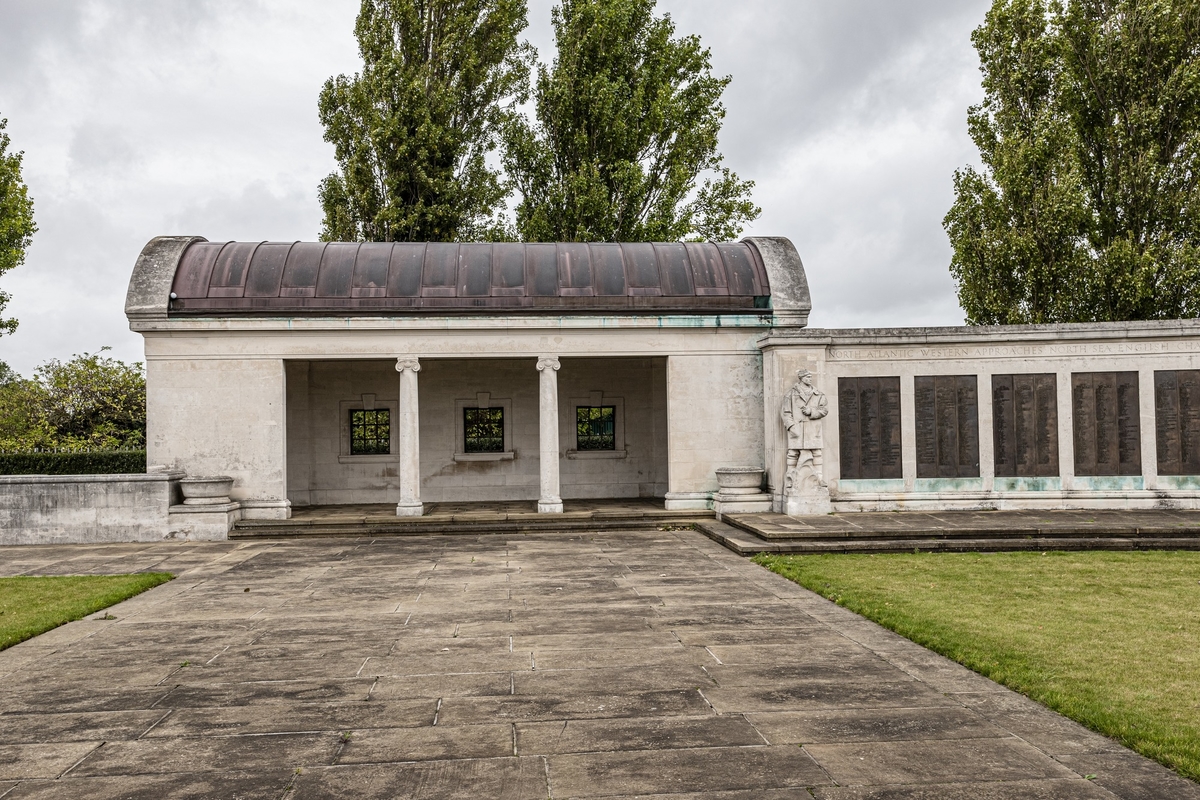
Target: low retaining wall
{"points": [[88, 509]]}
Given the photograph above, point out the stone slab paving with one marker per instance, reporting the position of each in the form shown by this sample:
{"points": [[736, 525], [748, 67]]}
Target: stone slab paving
{"points": [[649, 664]]}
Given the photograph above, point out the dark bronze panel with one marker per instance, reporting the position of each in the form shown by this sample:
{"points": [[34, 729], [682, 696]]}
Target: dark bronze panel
{"points": [[266, 270], [890, 452], [947, 416], [925, 408], [474, 270], [1177, 421], [1025, 425], [968, 426], [508, 267], [1189, 421], [337, 269], [541, 262], [1005, 446], [869, 428], [1106, 420], [609, 269], [849, 445]]}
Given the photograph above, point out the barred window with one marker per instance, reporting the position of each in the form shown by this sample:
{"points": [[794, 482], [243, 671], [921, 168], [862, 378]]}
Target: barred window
{"points": [[483, 430], [370, 432], [595, 427]]}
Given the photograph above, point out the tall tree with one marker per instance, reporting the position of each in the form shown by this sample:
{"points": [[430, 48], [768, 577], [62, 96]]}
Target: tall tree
{"points": [[16, 218], [627, 119], [1088, 207], [412, 132]]}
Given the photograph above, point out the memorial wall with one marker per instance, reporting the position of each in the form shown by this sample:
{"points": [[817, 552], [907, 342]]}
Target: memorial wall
{"points": [[1044, 416]]}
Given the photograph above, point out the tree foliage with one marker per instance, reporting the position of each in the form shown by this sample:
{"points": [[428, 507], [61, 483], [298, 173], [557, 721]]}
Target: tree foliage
{"points": [[16, 218], [90, 401], [626, 120], [1088, 205], [413, 130]]}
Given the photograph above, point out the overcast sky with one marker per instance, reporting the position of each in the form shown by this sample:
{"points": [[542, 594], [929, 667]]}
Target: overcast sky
{"points": [[147, 117]]}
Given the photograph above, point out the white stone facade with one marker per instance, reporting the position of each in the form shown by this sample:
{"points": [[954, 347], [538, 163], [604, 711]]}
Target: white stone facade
{"points": [[266, 400]]}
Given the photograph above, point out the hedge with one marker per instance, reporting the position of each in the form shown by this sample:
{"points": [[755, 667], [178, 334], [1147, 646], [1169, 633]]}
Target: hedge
{"points": [[101, 462]]}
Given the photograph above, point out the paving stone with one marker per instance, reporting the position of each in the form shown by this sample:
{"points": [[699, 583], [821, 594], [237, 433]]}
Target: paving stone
{"points": [[1077, 789], [209, 754], [792, 696], [676, 771], [460, 779], [260, 785], [872, 725], [185, 695], [65, 697], [78, 727], [482, 684], [1132, 777], [593, 735], [945, 761], [428, 744], [46, 760], [1036, 724], [522, 708], [293, 718], [613, 679]]}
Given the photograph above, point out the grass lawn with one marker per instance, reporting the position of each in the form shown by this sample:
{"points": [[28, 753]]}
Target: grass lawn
{"points": [[30, 605], [1111, 640]]}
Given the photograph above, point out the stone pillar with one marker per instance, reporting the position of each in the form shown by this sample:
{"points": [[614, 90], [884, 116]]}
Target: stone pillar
{"points": [[408, 433], [550, 501]]}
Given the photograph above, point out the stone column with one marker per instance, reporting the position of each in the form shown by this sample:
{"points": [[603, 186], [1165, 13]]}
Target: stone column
{"points": [[408, 433], [550, 501]]}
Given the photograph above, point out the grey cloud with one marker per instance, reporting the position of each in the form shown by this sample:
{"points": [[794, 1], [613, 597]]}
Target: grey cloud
{"points": [[143, 117]]}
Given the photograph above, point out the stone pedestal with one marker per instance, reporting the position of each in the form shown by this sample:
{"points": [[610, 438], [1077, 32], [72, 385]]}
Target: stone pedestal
{"points": [[550, 500], [740, 491], [408, 433]]}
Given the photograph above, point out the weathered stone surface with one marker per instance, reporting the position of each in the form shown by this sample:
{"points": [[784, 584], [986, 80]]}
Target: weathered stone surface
{"points": [[280, 688]]}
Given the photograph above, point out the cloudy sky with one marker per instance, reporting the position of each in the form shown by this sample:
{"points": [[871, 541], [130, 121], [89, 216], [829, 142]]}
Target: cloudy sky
{"points": [[148, 117]]}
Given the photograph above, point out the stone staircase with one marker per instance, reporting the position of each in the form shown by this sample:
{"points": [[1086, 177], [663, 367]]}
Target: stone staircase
{"points": [[957, 531], [466, 519]]}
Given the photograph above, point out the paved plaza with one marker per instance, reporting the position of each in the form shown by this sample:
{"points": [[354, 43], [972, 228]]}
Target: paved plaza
{"points": [[618, 664]]}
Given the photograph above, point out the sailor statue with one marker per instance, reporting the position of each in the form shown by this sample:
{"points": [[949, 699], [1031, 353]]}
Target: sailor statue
{"points": [[804, 406]]}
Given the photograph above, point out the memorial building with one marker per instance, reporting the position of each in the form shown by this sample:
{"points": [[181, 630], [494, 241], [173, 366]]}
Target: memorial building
{"points": [[321, 374]]}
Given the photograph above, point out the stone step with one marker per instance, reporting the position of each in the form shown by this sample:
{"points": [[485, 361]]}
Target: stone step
{"points": [[745, 543], [465, 524]]}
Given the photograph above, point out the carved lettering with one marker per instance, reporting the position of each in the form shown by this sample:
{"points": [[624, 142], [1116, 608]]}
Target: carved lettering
{"points": [[1177, 421]]}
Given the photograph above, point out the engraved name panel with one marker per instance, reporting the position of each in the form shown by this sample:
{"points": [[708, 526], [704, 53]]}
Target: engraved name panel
{"points": [[1025, 425], [869, 428], [1177, 421], [1107, 430], [947, 421]]}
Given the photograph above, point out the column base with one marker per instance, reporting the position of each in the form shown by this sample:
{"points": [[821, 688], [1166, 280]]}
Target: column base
{"points": [[550, 507], [688, 501], [810, 504], [410, 509]]}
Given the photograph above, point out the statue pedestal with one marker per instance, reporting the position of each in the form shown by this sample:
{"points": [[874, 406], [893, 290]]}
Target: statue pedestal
{"points": [[812, 502]]}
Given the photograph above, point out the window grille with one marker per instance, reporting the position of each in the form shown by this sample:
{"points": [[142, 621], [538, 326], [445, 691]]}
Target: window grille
{"points": [[370, 432], [595, 427], [483, 430]]}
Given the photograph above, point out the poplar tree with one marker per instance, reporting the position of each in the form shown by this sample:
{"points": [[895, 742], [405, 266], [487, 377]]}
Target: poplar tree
{"points": [[413, 130], [626, 122], [16, 218], [1088, 204]]}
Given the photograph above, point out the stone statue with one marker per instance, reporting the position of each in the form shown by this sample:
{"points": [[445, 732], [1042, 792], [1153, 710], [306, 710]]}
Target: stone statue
{"points": [[803, 408]]}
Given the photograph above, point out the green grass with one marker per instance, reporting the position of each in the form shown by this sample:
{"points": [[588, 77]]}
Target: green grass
{"points": [[33, 605], [1111, 640]]}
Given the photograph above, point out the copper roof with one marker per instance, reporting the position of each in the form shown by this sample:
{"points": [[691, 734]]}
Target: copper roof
{"points": [[311, 278]]}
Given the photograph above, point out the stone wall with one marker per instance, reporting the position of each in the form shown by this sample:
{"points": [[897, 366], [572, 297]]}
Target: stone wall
{"points": [[66, 509], [924, 362]]}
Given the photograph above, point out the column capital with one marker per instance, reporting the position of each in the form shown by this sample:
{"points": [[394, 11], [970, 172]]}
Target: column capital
{"points": [[408, 362], [548, 362]]}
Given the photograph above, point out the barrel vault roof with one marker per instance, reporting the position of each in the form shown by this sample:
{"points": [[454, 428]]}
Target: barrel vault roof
{"points": [[311, 278]]}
